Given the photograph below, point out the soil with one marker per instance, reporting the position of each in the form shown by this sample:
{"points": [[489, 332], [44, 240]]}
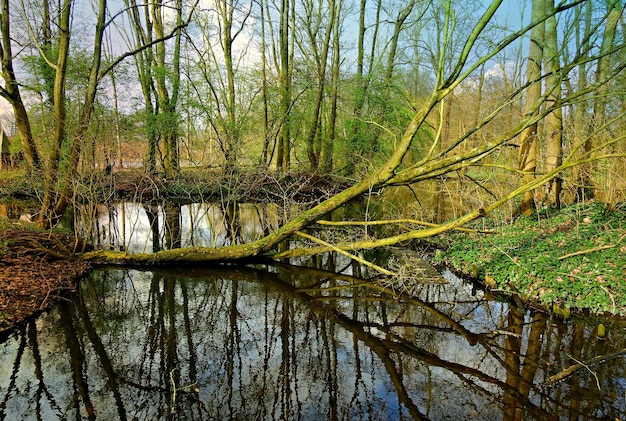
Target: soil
{"points": [[36, 270]]}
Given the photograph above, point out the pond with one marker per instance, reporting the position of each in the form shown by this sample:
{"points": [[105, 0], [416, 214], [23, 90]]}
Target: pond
{"points": [[316, 340]]}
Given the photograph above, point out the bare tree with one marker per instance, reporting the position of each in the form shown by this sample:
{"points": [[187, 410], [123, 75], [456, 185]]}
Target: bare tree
{"points": [[529, 139], [11, 92], [395, 171], [554, 121]]}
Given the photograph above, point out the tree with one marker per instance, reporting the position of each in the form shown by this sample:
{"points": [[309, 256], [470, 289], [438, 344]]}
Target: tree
{"points": [[167, 81], [51, 207], [217, 56], [159, 78], [458, 62], [554, 120], [143, 40], [11, 92], [285, 71], [395, 171], [62, 167], [326, 153], [314, 26], [529, 142], [614, 10]]}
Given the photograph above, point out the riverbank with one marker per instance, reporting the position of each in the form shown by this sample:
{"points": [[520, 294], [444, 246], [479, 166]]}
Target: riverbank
{"points": [[36, 271], [573, 259]]}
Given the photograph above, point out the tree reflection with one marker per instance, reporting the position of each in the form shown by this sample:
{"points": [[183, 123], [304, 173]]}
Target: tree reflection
{"points": [[284, 342]]}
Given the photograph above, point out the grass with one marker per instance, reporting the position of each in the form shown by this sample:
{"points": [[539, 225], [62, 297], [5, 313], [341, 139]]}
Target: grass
{"points": [[574, 258]]}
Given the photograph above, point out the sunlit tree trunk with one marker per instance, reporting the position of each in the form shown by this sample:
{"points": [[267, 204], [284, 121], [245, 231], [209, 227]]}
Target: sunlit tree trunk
{"points": [[326, 158], [599, 105], [167, 93], [529, 142], [266, 154], [580, 120], [321, 61], [283, 152], [554, 121], [11, 92]]}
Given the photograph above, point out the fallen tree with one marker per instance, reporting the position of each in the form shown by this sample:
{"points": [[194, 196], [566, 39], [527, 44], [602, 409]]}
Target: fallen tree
{"points": [[437, 161]]}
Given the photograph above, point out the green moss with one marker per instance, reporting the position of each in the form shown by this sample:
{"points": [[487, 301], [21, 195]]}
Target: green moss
{"points": [[575, 257]]}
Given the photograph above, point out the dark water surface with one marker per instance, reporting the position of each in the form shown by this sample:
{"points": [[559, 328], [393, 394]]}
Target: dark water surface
{"points": [[291, 343]]}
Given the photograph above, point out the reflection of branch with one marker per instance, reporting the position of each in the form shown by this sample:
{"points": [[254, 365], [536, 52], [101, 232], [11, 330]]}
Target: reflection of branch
{"points": [[16, 368], [569, 371], [384, 348]]}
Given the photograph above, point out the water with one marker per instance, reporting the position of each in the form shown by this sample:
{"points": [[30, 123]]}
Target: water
{"points": [[322, 340], [284, 342]]}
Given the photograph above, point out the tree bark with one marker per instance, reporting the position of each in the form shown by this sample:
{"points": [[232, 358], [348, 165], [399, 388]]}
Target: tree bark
{"points": [[554, 120], [11, 92], [529, 140], [283, 152], [599, 104]]}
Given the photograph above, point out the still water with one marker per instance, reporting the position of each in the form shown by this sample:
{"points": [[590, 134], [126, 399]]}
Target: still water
{"points": [[285, 342], [315, 340]]}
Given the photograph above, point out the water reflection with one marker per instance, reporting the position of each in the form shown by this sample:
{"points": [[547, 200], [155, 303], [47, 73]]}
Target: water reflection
{"points": [[149, 227], [296, 343]]}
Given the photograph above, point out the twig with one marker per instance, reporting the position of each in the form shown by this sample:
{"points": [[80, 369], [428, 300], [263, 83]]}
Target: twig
{"points": [[577, 253], [593, 373], [345, 253], [610, 296], [591, 250]]}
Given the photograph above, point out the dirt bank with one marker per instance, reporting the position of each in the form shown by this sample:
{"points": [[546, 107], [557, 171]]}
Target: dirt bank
{"points": [[36, 270]]}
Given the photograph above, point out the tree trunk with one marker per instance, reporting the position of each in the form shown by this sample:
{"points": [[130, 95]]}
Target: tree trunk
{"points": [[529, 142], [47, 216], [11, 92], [283, 153], [554, 120], [59, 188], [266, 155], [143, 36], [321, 60], [167, 94], [326, 157], [600, 101]]}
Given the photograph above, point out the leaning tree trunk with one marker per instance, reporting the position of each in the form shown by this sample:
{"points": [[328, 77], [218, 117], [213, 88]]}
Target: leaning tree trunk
{"points": [[11, 91], [394, 172]]}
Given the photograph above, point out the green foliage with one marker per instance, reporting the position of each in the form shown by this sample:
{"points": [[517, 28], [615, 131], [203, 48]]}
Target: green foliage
{"points": [[575, 257], [15, 184]]}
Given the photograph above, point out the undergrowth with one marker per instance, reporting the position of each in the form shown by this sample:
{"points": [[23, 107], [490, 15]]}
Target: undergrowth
{"points": [[575, 257]]}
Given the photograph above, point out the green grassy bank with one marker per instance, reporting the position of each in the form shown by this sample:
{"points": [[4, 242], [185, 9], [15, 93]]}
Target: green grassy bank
{"points": [[574, 258]]}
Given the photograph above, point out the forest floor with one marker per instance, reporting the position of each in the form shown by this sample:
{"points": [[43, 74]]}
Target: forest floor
{"points": [[572, 260], [36, 270]]}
